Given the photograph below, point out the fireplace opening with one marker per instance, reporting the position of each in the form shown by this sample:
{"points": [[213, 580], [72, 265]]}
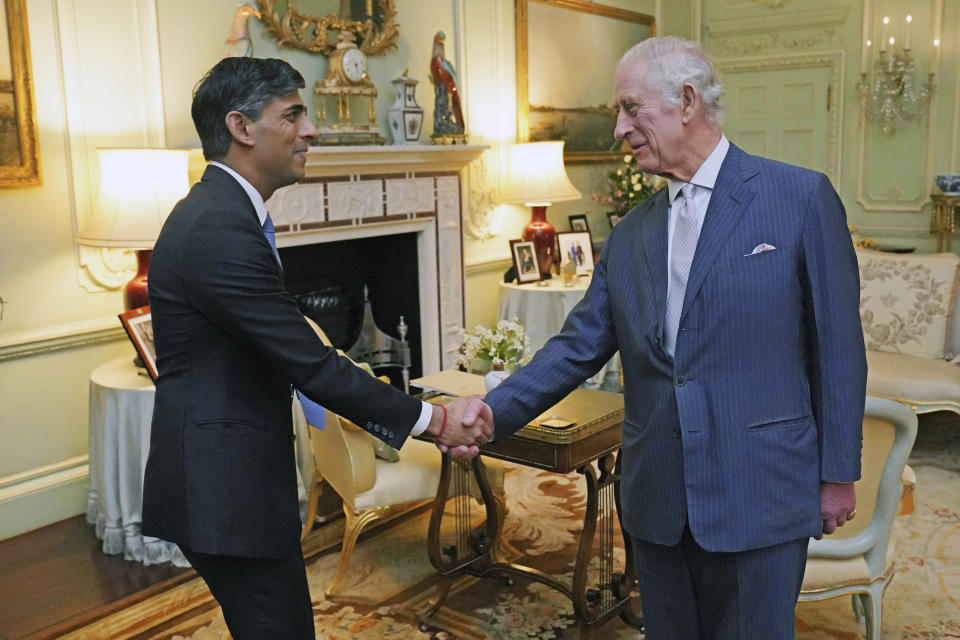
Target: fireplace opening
{"points": [[329, 278]]}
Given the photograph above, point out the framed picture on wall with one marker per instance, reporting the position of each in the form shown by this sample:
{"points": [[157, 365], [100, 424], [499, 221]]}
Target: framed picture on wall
{"points": [[576, 247], [139, 327], [525, 261]]}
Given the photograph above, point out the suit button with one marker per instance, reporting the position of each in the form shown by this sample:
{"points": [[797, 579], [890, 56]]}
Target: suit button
{"points": [[676, 433], [681, 380]]}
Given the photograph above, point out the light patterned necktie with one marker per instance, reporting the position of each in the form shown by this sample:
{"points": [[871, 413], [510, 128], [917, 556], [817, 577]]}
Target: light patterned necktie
{"points": [[270, 232], [686, 232]]}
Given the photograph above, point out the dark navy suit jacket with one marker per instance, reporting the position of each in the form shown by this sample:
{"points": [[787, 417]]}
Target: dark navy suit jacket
{"points": [[221, 475], [764, 398]]}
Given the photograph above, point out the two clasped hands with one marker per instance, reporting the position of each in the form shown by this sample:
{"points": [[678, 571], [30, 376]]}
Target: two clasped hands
{"points": [[461, 426]]}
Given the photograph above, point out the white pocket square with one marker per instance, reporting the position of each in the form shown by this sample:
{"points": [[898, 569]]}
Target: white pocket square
{"points": [[763, 247]]}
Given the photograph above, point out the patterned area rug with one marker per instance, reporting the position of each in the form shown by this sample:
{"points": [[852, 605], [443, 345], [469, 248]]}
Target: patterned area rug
{"points": [[391, 579]]}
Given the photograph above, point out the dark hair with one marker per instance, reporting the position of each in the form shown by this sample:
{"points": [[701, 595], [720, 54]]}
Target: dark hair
{"points": [[246, 85]]}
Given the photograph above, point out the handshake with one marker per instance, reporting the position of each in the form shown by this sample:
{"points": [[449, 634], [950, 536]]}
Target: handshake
{"points": [[461, 426]]}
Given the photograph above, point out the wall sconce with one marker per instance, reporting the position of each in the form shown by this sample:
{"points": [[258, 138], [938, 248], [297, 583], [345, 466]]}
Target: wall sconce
{"points": [[891, 96], [138, 188]]}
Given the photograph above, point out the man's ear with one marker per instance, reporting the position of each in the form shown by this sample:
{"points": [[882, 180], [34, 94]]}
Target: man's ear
{"points": [[239, 127], [689, 102]]}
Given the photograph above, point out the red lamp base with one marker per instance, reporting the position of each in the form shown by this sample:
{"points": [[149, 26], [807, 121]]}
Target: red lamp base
{"points": [[135, 293], [544, 237]]}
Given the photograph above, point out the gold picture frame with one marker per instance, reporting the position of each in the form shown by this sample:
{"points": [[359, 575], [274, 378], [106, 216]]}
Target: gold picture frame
{"points": [[19, 148], [585, 120]]}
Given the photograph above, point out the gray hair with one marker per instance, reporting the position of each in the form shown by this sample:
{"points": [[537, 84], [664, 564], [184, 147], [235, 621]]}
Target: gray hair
{"points": [[672, 62], [246, 85]]}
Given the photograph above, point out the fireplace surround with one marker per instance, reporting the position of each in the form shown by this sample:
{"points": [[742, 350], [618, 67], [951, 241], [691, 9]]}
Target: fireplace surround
{"points": [[397, 197]]}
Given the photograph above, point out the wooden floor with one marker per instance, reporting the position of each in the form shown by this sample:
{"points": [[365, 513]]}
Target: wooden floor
{"points": [[56, 579]]}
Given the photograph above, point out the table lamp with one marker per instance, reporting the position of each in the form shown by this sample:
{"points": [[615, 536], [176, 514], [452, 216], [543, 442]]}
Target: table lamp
{"points": [[537, 179], [138, 188]]}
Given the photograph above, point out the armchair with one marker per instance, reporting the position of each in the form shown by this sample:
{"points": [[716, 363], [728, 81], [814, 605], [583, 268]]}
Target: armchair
{"points": [[859, 558], [371, 488]]}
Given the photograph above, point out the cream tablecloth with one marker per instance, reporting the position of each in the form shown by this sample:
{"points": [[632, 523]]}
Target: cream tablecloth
{"points": [[121, 408], [542, 310]]}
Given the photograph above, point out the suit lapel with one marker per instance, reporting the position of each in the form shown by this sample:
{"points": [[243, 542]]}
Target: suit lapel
{"points": [[729, 200], [652, 245]]}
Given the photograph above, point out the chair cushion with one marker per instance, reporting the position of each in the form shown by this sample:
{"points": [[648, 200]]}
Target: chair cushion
{"points": [[906, 301], [415, 477], [912, 378], [824, 574]]}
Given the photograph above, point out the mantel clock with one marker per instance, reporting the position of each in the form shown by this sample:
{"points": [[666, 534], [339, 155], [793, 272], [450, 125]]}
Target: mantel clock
{"points": [[347, 81]]}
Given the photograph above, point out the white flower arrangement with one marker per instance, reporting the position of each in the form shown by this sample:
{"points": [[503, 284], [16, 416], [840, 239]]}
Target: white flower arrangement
{"points": [[501, 347]]}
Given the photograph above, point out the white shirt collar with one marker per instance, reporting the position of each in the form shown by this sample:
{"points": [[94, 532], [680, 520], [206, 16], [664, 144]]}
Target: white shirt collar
{"points": [[706, 175], [254, 195]]}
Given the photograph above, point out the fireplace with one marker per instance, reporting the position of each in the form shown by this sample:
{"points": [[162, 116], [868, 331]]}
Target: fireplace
{"points": [[389, 218]]}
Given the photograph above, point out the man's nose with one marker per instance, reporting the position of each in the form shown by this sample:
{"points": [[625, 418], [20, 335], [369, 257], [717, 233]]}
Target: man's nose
{"points": [[623, 126], [308, 130]]}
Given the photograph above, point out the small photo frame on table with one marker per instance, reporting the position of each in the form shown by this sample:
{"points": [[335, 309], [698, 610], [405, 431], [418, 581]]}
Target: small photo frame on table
{"points": [[578, 222], [613, 218], [139, 327], [576, 246], [524, 254]]}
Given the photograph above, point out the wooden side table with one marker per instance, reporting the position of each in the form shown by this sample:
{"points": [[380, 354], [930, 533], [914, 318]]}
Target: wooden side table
{"points": [[591, 446], [945, 219]]}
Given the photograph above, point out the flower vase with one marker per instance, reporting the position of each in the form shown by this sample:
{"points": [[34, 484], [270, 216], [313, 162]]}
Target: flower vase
{"points": [[495, 376]]}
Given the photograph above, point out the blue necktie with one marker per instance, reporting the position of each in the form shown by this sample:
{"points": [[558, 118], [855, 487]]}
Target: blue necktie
{"points": [[315, 414]]}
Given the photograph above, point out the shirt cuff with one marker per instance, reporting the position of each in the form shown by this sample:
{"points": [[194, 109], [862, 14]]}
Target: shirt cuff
{"points": [[426, 412]]}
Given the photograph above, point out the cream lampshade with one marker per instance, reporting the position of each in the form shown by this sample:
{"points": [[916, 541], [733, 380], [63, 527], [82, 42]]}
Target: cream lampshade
{"points": [[537, 178], [138, 188]]}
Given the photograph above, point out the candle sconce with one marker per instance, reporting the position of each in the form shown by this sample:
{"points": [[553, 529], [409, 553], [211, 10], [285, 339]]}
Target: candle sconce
{"points": [[891, 95]]}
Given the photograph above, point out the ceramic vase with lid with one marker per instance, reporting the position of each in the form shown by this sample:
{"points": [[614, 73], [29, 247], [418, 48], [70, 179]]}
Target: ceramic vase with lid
{"points": [[405, 115]]}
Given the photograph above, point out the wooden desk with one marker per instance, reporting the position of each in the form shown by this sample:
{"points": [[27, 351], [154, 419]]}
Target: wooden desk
{"points": [[596, 437]]}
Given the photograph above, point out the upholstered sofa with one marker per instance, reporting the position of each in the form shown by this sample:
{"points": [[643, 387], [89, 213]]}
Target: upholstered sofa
{"points": [[910, 311]]}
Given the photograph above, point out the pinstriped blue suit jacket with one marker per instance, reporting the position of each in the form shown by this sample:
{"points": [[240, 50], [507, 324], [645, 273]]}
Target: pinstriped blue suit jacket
{"points": [[764, 398]]}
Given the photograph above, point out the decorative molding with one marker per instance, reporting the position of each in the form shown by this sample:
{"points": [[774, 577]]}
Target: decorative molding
{"points": [[60, 338], [832, 60], [486, 266], [748, 46], [484, 219], [781, 22], [19, 485], [750, 4], [385, 159]]}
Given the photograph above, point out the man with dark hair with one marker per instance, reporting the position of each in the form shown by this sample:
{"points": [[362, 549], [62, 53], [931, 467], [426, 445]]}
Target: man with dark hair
{"points": [[232, 346], [732, 296]]}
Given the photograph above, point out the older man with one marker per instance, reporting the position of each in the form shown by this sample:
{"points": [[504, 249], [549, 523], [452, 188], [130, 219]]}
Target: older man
{"points": [[231, 348], [732, 296]]}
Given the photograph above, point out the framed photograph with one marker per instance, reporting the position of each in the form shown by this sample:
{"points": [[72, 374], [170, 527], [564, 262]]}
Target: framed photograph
{"points": [[613, 219], [576, 246], [139, 327], [525, 261], [549, 105], [578, 222], [19, 147]]}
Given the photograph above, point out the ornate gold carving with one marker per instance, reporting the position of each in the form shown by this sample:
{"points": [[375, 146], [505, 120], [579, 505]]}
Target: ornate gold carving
{"points": [[300, 31], [742, 46], [19, 117]]}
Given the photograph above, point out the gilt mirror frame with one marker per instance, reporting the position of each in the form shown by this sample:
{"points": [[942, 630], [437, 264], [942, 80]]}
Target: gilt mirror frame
{"points": [[528, 69], [18, 118], [309, 33]]}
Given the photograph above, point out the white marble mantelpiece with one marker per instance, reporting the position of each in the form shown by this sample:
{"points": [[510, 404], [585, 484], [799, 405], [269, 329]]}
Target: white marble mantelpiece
{"points": [[366, 191]]}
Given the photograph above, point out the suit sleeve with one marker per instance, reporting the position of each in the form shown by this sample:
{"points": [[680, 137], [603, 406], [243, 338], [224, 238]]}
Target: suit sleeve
{"points": [[233, 280], [836, 354], [585, 343]]}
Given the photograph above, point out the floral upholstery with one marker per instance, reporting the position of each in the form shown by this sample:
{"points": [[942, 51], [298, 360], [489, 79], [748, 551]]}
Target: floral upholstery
{"points": [[906, 302]]}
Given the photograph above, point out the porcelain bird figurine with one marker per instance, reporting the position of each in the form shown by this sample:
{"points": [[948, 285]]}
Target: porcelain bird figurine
{"points": [[238, 43], [447, 114]]}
